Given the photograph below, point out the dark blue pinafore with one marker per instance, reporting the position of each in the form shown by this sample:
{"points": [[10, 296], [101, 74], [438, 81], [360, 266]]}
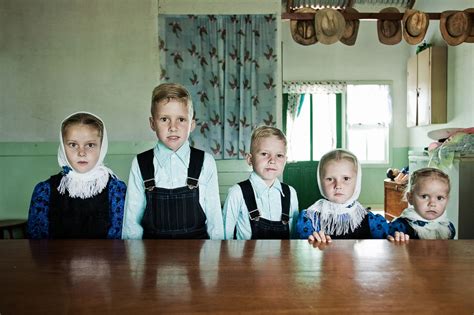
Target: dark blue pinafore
{"points": [[263, 228], [173, 213], [75, 217], [361, 232]]}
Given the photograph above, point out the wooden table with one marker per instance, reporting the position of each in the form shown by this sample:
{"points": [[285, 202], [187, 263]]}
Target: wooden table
{"points": [[139, 277]]}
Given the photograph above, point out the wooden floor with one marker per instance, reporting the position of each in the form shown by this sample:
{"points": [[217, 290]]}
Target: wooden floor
{"points": [[182, 277]]}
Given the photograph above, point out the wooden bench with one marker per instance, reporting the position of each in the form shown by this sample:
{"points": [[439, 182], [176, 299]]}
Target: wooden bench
{"points": [[11, 225]]}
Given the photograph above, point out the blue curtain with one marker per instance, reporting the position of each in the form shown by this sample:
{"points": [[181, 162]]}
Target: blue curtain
{"points": [[228, 63]]}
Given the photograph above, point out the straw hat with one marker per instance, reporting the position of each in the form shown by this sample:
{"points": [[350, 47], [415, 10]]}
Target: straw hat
{"points": [[389, 31], [330, 25], [352, 27], [415, 24], [470, 38], [455, 27], [303, 31]]}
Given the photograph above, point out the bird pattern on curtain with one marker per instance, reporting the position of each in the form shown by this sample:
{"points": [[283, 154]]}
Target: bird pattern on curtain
{"points": [[228, 63]]}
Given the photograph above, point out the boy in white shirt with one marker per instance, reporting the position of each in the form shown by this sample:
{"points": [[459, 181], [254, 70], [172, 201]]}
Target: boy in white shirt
{"points": [[173, 189], [262, 207]]}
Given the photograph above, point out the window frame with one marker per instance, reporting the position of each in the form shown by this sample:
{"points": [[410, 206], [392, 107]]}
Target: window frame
{"points": [[342, 127], [388, 149]]}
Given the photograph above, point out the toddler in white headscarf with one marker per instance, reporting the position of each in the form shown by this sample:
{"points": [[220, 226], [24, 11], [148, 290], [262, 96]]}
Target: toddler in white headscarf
{"points": [[339, 214], [425, 217]]}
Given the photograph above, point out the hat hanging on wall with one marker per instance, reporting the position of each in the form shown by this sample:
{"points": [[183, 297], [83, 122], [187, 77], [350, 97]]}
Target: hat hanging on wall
{"points": [[303, 31], [455, 27], [352, 28], [415, 24], [389, 31], [470, 38], [330, 25]]}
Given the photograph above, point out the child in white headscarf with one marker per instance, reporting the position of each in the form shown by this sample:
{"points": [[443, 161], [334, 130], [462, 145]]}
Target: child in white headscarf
{"points": [[339, 214], [425, 217], [86, 199]]}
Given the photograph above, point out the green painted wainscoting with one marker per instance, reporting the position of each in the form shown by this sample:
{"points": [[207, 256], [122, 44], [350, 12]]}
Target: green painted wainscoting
{"points": [[24, 164]]}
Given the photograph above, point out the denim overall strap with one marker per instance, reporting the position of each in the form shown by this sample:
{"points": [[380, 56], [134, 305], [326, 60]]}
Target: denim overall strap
{"points": [[145, 162], [173, 213], [263, 228]]}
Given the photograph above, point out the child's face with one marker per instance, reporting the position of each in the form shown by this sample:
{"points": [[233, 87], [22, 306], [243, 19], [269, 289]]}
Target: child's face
{"points": [[268, 158], [339, 180], [171, 123], [82, 145], [429, 198]]}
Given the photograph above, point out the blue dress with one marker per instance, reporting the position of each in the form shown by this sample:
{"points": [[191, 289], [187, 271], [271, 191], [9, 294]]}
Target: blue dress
{"points": [[39, 215], [403, 225], [373, 226]]}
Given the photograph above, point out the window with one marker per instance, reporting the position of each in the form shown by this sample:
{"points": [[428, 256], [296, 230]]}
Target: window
{"points": [[318, 124], [368, 115], [313, 131]]}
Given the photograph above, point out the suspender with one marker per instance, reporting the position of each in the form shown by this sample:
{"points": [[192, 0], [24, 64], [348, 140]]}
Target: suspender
{"points": [[145, 162], [251, 203]]}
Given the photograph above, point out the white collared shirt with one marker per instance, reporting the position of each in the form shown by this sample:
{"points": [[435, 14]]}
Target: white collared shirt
{"points": [[268, 202], [171, 171]]}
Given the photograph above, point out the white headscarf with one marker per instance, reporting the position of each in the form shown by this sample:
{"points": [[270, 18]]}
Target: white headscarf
{"points": [[336, 218], [427, 229], [91, 183]]}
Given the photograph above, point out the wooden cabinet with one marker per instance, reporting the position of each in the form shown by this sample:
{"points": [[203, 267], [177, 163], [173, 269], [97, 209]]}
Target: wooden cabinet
{"points": [[393, 203], [426, 87]]}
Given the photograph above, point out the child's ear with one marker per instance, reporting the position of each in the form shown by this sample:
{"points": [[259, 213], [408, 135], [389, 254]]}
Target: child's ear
{"points": [[152, 124], [249, 159], [410, 198], [193, 125]]}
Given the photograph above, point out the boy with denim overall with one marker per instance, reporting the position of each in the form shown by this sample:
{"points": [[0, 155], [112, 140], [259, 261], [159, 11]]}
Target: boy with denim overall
{"points": [[262, 207], [174, 190]]}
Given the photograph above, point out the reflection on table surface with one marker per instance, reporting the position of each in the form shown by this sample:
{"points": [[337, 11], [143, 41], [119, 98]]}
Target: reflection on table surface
{"points": [[97, 276]]}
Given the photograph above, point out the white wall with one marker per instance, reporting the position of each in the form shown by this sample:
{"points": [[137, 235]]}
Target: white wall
{"points": [[57, 57], [460, 74]]}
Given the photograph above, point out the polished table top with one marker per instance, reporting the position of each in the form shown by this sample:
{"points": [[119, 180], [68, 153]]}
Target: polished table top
{"points": [[123, 277]]}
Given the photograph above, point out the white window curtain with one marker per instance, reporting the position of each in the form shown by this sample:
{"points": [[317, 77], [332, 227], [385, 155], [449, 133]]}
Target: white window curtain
{"points": [[296, 91]]}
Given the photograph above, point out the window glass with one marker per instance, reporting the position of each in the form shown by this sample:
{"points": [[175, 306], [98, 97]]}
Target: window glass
{"points": [[324, 124], [368, 115]]}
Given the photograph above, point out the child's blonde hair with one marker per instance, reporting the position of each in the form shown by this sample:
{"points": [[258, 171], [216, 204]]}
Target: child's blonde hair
{"points": [[265, 132], [171, 91], [84, 119], [337, 155], [427, 172]]}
